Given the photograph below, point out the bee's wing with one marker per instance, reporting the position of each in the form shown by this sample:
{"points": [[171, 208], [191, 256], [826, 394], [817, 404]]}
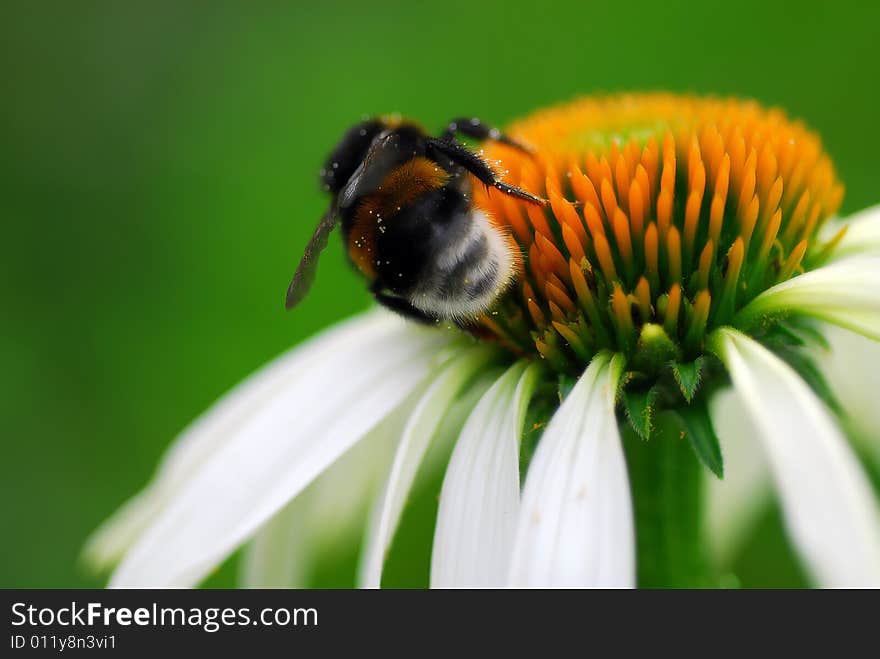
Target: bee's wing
{"points": [[383, 155], [305, 272]]}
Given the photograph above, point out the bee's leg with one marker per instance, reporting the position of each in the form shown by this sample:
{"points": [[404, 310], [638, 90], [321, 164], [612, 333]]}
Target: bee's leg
{"points": [[402, 306], [464, 157], [479, 131]]}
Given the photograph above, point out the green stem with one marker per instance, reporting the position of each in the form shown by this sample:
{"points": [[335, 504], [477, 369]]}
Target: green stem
{"points": [[666, 480]]}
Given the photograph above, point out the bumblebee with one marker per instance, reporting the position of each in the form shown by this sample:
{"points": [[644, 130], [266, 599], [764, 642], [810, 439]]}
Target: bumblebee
{"points": [[404, 201]]}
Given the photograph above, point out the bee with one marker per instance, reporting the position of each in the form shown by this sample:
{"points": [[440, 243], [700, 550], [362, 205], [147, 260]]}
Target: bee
{"points": [[409, 223]]}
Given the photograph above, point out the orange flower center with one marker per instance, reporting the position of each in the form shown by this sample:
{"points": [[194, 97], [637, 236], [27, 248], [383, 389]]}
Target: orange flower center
{"points": [[668, 213]]}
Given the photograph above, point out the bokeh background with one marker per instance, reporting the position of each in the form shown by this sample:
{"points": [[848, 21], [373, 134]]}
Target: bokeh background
{"points": [[158, 182]]}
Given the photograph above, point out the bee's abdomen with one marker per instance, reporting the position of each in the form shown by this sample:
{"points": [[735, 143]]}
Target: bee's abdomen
{"points": [[468, 272], [443, 256]]}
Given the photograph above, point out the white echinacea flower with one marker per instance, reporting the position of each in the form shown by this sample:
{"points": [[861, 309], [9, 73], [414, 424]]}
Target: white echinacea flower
{"points": [[672, 299]]}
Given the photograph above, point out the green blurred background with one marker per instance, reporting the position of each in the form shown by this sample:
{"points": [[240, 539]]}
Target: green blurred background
{"points": [[159, 166]]}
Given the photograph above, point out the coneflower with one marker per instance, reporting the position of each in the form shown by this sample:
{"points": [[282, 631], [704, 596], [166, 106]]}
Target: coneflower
{"points": [[686, 248]]}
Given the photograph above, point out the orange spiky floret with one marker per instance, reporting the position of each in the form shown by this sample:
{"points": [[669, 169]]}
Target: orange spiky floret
{"points": [[663, 209]]}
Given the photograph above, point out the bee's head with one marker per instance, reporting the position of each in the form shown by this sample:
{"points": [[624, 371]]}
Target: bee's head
{"points": [[349, 154]]}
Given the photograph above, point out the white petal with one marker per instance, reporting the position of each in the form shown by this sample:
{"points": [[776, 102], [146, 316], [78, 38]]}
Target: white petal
{"points": [[213, 428], [330, 514], [734, 502], [440, 449], [846, 293], [275, 453], [829, 508], [852, 369], [282, 552], [575, 526], [417, 435], [862, 233], [856, 321], [479, 500], [108, 543]]}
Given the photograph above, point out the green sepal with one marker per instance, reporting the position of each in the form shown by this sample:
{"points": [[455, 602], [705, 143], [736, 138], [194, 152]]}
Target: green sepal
{"points": [[807, 330], [565, 385], [688, 375], [795, 331], [695, 425], [545, 401], [640, 409], [782, 334]]}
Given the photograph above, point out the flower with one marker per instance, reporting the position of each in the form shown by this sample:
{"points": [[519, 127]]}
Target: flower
{"points": [[677, 272]]}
